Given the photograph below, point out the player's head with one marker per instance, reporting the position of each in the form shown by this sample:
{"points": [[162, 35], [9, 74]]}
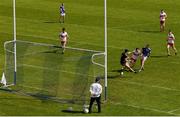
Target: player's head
{"points": [[62, 4], [63, 29], [137, 49], [126, 50], [162, 10], [97, 79]]}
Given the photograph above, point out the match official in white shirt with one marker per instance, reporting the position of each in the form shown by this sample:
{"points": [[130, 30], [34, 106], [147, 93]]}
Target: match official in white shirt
{"points": [[96, 90]]}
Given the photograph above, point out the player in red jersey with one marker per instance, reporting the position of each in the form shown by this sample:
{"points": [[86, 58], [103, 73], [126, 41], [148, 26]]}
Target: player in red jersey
{"points": [[170, 43], [63, 36], [134, 56], [162, 17]]}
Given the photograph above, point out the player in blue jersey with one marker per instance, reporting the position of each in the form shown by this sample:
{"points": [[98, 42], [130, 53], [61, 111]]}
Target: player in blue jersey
{"points": [[62, 13], [146, 51]]}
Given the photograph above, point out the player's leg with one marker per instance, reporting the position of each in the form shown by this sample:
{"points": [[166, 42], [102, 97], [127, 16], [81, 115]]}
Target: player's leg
{"points": [[60, 18], [91, 103], [63, 18], [142, 63], [174, 48], [168, 51], [128, 66], [98, 100], [63, 43], [163, 25]]}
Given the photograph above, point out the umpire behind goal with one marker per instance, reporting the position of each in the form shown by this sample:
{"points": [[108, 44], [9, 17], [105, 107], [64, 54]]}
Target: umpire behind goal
{"points": [[96, 90]]}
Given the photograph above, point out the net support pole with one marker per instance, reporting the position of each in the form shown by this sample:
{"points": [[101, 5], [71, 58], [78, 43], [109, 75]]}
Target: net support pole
{"points": [[14, 33], [105, 46]]}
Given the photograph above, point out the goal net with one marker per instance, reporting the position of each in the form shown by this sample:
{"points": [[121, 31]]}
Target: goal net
{"points": [[44, 72]]}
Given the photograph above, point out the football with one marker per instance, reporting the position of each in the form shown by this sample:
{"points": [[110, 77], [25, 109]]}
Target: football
{"points": [[122, 73], [86, 110]]}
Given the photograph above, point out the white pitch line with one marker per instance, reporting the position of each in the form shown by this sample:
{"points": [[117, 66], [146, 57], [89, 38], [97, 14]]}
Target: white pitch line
{"points": [[171, 111], [50, 38], [140, 84], [145, 108]]}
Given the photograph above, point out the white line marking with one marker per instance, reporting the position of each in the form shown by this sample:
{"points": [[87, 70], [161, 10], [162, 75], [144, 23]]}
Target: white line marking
{"points": [[140, 84], [171, 111], [50, 38], [145, 108]]}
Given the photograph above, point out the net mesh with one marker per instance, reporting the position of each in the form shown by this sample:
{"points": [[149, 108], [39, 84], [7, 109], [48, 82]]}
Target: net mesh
{"points": [[44, 72]]}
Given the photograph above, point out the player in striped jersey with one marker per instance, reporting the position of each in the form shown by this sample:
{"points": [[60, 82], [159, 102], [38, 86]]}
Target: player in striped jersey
{"points": [[63, 36], [62, 13], [162, 17], [170, 43], [134, 56]]}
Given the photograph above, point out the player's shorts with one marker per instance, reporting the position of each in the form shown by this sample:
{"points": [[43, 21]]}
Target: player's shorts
{"points": [[133, 60], [170, 45], [123, 63], [63, 40], [162, 22], [144, 58], [63, 14]]}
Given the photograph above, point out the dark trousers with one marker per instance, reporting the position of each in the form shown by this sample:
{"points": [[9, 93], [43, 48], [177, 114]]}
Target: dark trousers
{"points": [[98, 100]]}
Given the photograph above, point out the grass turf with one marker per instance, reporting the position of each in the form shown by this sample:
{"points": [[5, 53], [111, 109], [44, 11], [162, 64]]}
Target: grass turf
{"points": [[131, 24]]}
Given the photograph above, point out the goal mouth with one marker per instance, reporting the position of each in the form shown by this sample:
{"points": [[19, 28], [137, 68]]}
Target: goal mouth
{"points": [[45, 73]]}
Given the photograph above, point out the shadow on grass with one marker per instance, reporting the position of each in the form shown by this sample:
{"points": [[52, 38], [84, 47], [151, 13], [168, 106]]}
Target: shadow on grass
{"points": [[6, 89], [44, 97], [71, 111], [159, 56], [52, 51]]}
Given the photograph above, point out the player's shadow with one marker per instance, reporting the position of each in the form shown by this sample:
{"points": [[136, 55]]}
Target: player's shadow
{"points": [[159, 56], [114, 76], [149, 31], [45, 97], [52, 51], [71, 111]]}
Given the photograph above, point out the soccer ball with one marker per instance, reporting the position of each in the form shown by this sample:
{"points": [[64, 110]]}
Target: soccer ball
{"points": [[122, 73], [70, 109], [86, 110]]}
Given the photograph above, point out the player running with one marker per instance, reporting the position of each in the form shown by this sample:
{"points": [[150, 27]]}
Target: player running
{"points": [[135, 54], [146, 51], [163, 17], [170, 43], [125, 61], [63, 36], [62, 13]]}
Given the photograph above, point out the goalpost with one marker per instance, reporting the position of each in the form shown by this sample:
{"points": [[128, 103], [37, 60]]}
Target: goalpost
{"points": [[105, 45]]}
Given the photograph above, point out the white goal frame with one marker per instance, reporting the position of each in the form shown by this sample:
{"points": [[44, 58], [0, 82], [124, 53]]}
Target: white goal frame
{"points": [[105, 43]]}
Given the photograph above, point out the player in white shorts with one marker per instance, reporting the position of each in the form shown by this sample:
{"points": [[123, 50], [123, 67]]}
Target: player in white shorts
{"points": [[162, 17], [62, 13], [170, 43], [135, 54], [63, 36]]}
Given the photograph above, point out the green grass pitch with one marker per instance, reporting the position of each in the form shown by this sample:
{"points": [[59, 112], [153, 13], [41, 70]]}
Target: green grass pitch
{"points": [[131, 24]]}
